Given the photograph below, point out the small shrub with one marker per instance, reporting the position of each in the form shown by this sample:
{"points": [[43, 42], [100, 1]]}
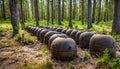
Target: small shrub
{"points": [[24, 37], [115, 63], [86, 54]]}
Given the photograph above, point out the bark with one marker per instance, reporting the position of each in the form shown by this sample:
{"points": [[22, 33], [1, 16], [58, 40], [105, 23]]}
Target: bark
{"points": [[14, 16], [82, 12], [36, 12], [63, 9], [93, 14], [116, 20], [106, 11], [70, 20], [99, 12], [52, 11], [89, 14], [48, 14], [59, 12], [22, 18], [74, 8], [3, 5]]}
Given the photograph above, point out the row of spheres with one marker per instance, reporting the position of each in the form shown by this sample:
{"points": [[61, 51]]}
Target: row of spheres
{"points": [[63, 42]]}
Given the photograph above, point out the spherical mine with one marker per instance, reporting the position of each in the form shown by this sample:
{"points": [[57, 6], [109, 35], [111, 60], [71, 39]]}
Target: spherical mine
{"points": [[99, 42], [68, 32], [77, 36], [48, 35], [84, 39], [73, 34], [59, 29], [55, 36], [42, 34], [63, 48], [64, 31]]}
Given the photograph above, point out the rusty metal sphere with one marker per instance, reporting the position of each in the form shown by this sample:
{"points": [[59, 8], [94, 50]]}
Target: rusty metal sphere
{"points": [[48, 35], [31, 29], [73, 34], [64, 31], [63, 48], [38, 33], [42, 34], [99, 42], [68, 32], [54, 28], [59, 29], [35, 31], [77, 36], [84, 39], [55, 36]]}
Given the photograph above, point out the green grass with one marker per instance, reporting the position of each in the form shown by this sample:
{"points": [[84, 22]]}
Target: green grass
{"points": [[106, 61], [24, 37]]}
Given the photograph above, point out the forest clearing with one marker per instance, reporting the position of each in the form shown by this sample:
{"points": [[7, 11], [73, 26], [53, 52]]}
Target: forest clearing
{"points": [[59, 34]]}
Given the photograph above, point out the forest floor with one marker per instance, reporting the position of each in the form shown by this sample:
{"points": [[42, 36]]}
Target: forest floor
{"points": [[14, 55]]}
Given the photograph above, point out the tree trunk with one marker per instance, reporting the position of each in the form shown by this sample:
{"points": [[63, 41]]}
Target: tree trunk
{"points": [[36, 12], [99, 12], [74, 8], [63, 9], [59, 12], [3, 5], [116, 20], [48, 14], [22, 19], [93, 14], [14, 16], [106, 11], [52, 11], [89, 15], [70, 20], [82, 12]]}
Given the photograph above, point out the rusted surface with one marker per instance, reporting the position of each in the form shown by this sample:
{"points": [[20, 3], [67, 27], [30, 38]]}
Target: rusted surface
{"points": [[48, 35], [77, 36], [55, 36], [68, 32], [63, 48], [99, 42], [84, 39], [73, 34]]}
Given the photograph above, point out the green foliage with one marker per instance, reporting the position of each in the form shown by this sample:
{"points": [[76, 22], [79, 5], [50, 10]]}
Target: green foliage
{"points": [[116, 36], [115, 63], [43, 51], [47, 64], [86, 54], [24, 37], [107, 62], [70, 66], [104, 58]]}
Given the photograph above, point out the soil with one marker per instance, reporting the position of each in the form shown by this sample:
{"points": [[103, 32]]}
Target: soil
{"points": [[14, 55]]}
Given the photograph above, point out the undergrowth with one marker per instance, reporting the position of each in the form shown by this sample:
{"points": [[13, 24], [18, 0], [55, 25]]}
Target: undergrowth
{"points": [[105, 61]]}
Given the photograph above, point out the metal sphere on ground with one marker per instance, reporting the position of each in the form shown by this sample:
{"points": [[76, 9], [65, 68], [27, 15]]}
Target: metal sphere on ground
{"points": [[38, 33], [84, 39], [73, 34], [68, 32], [55, 36], [99, 42], [63, 48], [35, 31], [42, 34], [48, 35], [64, 31], [77, 36], [59, 29]]}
